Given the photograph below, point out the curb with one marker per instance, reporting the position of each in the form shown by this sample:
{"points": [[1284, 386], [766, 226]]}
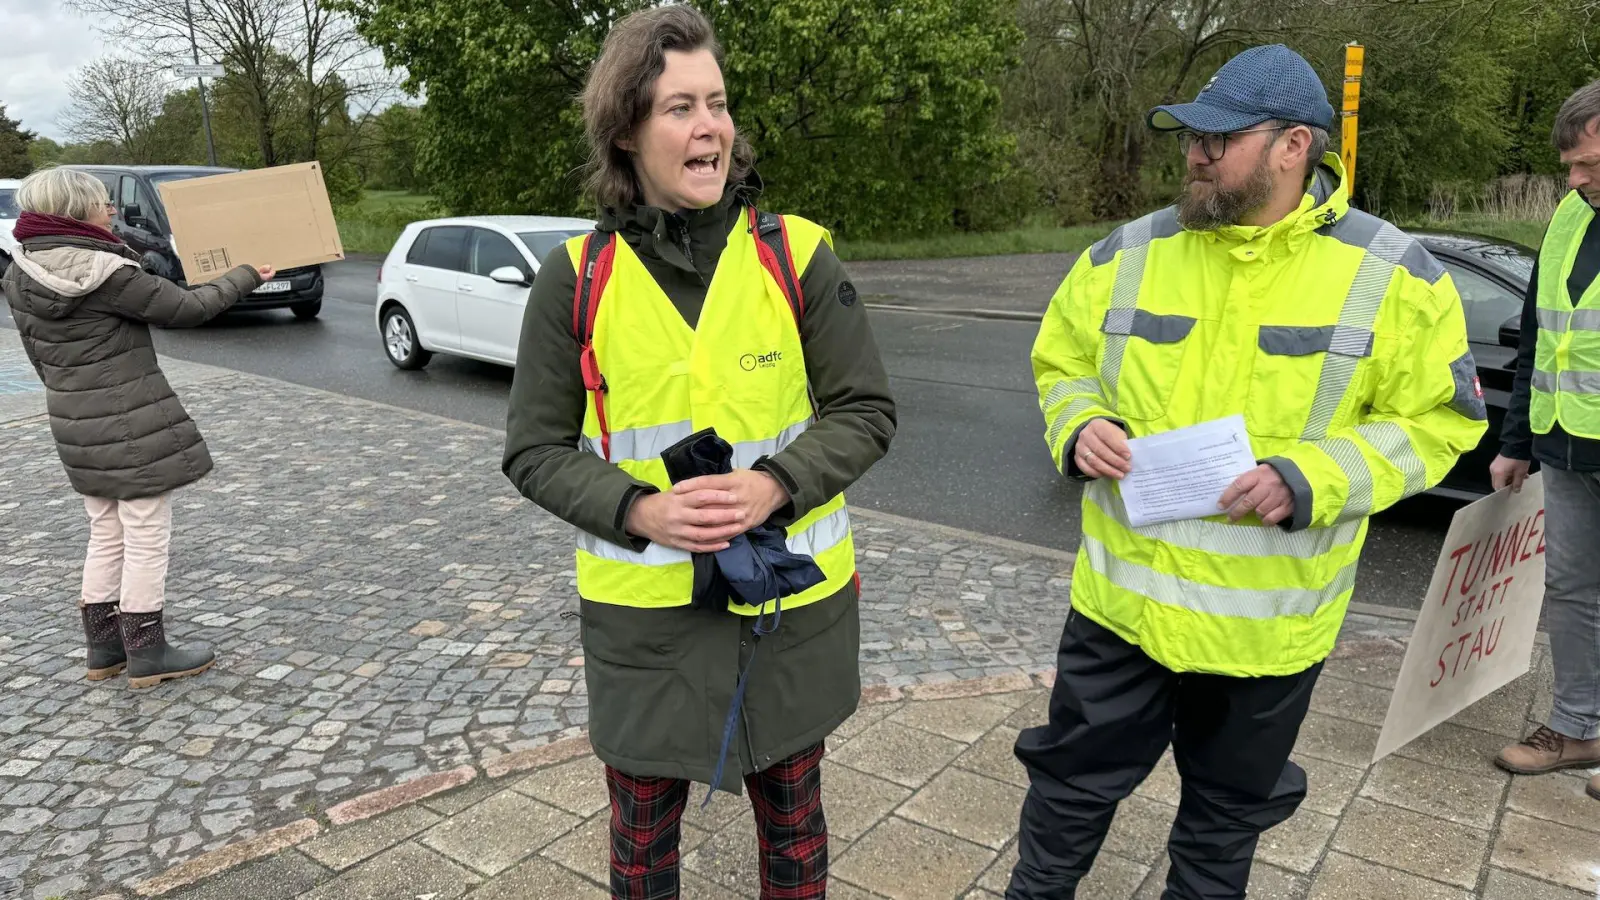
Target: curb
{"points": [[1003, 315], [389, 799], [224, 858]]}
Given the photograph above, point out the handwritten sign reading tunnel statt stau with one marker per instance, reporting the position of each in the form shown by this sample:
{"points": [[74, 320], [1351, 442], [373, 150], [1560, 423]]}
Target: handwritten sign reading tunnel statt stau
{"points": [[1476, 630]]}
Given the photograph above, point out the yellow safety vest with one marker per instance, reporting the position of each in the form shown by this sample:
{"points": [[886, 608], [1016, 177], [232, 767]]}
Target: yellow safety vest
{"points": [[1340, 340], [741, 370], [1566, 361]]}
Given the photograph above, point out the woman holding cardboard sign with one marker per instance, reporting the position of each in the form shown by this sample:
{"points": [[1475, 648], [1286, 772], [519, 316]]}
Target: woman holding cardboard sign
{"points": [[84, 308]]}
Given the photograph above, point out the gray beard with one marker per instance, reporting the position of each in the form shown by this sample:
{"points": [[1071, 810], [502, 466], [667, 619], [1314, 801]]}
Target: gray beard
{"points": [[1221, 206]]}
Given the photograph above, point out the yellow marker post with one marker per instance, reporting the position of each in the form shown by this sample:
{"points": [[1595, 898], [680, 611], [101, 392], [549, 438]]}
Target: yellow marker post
{"points": [[1355, 58]]}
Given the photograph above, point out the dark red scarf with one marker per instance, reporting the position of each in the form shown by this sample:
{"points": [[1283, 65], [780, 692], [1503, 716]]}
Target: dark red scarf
{"points": [[32, 225]]}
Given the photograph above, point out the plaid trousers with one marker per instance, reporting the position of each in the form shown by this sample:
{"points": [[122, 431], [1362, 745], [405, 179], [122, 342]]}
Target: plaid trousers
{"points": [[646, 815]]}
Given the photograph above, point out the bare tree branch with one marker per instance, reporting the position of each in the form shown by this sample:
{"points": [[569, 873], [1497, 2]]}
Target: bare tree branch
{"points": [[116, 99]]}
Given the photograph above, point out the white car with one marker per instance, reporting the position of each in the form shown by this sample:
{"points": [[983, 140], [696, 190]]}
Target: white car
{"points": [[8, 221], [459, 285]]}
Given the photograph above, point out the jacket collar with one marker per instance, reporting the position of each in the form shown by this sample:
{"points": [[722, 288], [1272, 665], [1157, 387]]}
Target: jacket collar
{"points": [[1326, 201], [691, 240]]}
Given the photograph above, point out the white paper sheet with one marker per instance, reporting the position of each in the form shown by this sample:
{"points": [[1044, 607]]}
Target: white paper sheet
{"points": [[1181, 474]]}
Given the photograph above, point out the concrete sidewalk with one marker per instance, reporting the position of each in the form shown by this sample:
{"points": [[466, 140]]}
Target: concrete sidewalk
{"points": [[924, 793]]}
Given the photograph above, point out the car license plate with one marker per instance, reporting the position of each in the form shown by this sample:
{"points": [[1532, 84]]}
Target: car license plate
{"points": [[274, 287]]}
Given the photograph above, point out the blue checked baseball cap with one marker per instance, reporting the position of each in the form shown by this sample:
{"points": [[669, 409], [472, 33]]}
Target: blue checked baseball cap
{"points": [[1267, 82]]}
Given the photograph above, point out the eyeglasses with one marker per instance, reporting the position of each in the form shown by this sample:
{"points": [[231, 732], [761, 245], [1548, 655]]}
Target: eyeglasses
{"points": [[1215, 145]]}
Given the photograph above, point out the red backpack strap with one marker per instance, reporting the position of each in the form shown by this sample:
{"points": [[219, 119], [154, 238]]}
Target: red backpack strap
{"points": [[772, 245], [599, 250]]}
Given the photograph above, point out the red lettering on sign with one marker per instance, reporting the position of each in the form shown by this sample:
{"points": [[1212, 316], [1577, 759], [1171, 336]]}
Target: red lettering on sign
{"points": [[1469, 647], [1538, 519], [1456, 556], [1505, 547]]}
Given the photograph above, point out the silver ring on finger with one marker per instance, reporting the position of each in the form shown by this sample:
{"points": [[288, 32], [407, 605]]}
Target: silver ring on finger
{"points": [[1088, 454]]}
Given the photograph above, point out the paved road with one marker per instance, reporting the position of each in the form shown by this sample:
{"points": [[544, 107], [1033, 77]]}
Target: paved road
{"points": [[969, 452]]}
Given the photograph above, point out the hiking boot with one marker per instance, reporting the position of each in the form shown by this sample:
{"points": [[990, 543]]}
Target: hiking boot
{"points": [[1546, 751], [107, 659], [151, 660]]}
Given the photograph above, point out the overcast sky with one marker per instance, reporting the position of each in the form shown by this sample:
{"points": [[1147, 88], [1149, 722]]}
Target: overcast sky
{"points": [[40, 44]]}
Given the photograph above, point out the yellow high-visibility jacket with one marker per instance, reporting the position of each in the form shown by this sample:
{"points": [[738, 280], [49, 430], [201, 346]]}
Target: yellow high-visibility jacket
{"points": [[1566, 362], [1342, 342]]}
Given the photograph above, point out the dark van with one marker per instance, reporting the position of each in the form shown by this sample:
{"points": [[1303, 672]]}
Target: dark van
{"points": [[140, 220]]}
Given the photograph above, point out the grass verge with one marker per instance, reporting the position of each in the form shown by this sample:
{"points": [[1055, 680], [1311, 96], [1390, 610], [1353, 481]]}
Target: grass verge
{"points": [[1033, 239], [1529, 233], [374, 223]]}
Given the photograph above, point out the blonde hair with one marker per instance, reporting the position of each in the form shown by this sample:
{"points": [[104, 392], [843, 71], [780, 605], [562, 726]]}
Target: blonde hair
{"points": [[62, 192], [620, 91]]}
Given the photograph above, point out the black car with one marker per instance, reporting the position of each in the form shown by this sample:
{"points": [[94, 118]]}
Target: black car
{"points": [[141, 221], [1492, 277]]}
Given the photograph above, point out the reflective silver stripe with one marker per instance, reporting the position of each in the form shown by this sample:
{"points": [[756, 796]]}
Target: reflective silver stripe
{"points": [[823, 535], [1225, 539], [1580, 382], [1553, 319], [1163, 223], [746, 453], [642, 443], [1360, 310], [1157, 329], [1577, 320], [1124, 295], [1071, 411], [1299, 340], [1370, 233], [1209, 599], [1067, 387], [1569, 382], [653, 555], [1345, 454], [648, 443], [1394, 444]]}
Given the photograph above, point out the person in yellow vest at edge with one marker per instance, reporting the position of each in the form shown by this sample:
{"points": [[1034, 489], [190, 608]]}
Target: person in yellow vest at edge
{"points": [[693, 329], [1554, 417], [1342, 343]]}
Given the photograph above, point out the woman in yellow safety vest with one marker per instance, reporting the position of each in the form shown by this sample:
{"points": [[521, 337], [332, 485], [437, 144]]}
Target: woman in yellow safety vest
{"points": [[696, 311]]}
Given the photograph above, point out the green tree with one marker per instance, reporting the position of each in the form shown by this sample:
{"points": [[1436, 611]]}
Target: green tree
{"points": [[44, 152], [14, 141], [391, 162], [872, 117]]}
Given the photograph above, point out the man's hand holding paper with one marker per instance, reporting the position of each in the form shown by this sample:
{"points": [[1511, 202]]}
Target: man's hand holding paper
{"points": [[1186, 473]]}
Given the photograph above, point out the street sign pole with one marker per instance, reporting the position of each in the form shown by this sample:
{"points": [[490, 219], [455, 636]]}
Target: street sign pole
{"points": [[205, 108], [1355, 58]]}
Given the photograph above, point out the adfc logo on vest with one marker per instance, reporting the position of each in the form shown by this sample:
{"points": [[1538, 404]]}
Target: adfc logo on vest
{"points": [[750, 361]]}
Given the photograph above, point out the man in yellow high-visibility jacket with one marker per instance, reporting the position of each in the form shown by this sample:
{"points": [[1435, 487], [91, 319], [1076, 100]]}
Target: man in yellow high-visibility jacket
{"points": [[1342, 343], [1554, 417]]}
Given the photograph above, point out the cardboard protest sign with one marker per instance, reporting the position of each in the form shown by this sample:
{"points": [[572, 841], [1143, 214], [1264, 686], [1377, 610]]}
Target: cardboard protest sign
{"points": [[1476, 630], [279, 216]]}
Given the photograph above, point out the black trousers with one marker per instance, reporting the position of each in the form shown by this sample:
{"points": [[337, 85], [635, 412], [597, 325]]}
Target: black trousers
{"points": [[1112, 713]]}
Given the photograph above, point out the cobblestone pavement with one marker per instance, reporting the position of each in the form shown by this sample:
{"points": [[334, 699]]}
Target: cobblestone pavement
{"points": [[384, 605], [933, 792]]}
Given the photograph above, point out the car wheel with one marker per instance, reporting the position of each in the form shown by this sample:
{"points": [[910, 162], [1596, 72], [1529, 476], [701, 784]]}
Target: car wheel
{"points": [[307, 311], [400, 340]]}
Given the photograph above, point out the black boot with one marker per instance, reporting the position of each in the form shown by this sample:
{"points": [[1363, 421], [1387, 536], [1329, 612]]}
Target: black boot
{"points": [[107, 659], [151, 660]]}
